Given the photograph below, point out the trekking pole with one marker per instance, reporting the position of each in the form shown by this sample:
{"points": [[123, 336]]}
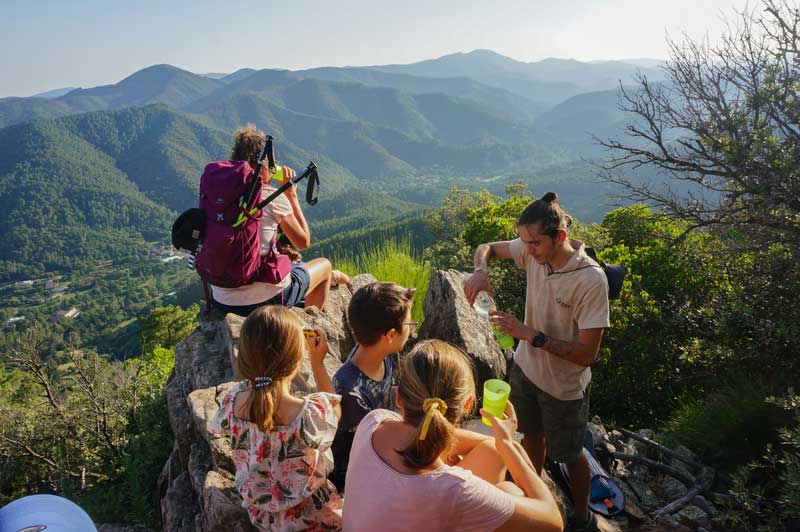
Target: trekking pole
{"points": [[311, 196], [313, 181]]}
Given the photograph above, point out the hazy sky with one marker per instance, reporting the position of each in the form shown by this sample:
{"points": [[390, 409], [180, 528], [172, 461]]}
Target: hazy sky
{"points": [[48, 44]]}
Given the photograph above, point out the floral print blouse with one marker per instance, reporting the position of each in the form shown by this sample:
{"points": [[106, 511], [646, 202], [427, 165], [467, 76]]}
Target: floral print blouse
{"points": [[282, 475]]}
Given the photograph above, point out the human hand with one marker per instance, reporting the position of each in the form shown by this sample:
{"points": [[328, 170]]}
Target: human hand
{"points": [[503, 429], [476, 282], [317, 344], [508, 323], [288, 174]]}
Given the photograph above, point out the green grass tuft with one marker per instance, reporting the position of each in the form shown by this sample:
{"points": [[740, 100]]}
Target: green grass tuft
{"points": [[394, 261]]}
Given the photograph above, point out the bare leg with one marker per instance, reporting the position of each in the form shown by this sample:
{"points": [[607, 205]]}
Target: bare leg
{"points": [[320, 272], [579, 484], [536, 447], [485, 462]]}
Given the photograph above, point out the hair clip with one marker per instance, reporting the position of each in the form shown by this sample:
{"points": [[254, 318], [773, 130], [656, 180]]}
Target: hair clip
{"points": [[261, 382]]}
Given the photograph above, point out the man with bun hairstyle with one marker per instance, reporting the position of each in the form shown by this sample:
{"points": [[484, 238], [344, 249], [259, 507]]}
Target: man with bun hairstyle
{"points": [[566, 310]]}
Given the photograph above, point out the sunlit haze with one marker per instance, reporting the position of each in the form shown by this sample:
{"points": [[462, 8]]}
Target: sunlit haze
{"points": [[51, 44]]}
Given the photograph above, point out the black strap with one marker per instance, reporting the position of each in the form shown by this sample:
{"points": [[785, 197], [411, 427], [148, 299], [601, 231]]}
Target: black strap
{"points": [[576, 269], [312, 192], [310, 170]]}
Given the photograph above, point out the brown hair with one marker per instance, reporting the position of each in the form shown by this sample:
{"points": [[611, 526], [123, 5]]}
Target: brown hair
{"points": [[247, 144], [547, 213], [271, 344], [377, 308], [434, 369]]}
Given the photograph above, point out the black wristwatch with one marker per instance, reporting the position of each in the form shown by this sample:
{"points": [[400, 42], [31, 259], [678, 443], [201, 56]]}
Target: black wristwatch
{"points": [[539, 340]]}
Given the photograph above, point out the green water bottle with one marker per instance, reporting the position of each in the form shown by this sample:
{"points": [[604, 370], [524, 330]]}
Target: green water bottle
{"points": [[483, 304]]}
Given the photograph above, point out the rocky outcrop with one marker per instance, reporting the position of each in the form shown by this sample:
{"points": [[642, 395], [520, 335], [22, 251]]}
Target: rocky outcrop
{"points": [[454, 320], [196, 486]]}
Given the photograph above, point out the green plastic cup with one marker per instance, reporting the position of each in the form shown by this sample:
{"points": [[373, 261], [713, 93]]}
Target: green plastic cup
{"points": [[278, 175], [495, 397]]}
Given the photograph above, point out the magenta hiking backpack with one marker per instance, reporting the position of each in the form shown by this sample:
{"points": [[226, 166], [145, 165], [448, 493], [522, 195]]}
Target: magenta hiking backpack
{"points": [[230, 256], [222, 236]]}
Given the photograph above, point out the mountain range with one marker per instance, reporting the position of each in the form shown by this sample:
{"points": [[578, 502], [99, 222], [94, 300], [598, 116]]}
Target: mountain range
{"points": [[93, 172]]}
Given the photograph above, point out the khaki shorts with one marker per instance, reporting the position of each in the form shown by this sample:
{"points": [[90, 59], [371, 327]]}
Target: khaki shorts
{"points": [[562, 422]]}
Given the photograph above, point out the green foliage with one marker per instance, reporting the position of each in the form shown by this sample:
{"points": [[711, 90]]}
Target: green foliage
{"points": [[766, 493], [83, 412], [658, 346], [394, 261], [166, 326], [737, 412]]}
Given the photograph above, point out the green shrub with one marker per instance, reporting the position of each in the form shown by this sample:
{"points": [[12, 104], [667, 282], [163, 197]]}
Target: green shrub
{"points": [[395, 261], [766, 493], [728, 427]]}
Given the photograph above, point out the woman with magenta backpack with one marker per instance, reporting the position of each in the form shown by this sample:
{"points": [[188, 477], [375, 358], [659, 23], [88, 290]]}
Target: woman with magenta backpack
{"points": [[306, 283]]}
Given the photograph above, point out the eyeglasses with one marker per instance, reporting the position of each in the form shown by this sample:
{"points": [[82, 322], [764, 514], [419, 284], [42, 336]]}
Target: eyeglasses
{"points": [[412, 325]]}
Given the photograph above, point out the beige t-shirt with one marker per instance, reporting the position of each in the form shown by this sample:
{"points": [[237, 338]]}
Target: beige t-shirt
{"points": [[560, 303], [253, 294]]}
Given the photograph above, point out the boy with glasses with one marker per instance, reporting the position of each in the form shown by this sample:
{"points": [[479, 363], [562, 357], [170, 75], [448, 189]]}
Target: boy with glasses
{"points": [[379, 315]]}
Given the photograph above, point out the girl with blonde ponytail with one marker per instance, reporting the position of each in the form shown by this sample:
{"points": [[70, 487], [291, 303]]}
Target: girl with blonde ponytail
{"points": [[280, 444], [418, 471]]}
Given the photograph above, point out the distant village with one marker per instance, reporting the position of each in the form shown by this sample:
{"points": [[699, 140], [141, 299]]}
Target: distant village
{"points": [[165, 254]]}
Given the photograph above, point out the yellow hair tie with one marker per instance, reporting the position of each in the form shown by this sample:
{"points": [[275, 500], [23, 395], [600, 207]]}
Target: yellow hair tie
{"points": [[429, 407]]}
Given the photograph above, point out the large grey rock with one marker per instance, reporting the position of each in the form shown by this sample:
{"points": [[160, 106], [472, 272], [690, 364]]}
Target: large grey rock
{"points": [[179, 506], [690, 515], [222, 506], [199, 465], [338, 348], [201, 361], [449, 317]]}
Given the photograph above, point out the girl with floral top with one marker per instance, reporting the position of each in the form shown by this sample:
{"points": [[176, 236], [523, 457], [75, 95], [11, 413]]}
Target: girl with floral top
{"points": [[280, 444]]}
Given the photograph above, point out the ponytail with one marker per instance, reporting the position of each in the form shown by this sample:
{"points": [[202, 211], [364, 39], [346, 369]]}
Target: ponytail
{"points": [[434, 436], [262, 406], [435, 384]]}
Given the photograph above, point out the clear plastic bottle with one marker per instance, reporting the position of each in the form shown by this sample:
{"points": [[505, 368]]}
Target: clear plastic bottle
{"points": [[483, 304]]}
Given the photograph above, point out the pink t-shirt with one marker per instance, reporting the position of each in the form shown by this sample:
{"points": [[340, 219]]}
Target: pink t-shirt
{"points": [[448, 499]]}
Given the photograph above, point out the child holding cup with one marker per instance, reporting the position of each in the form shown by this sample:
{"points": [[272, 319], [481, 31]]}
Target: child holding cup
{"points": [[417, 471]]}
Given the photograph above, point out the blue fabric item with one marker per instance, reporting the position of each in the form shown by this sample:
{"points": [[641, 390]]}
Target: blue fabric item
{"points": [[360, 396], [601, 489], [293, 295], [55, 514], [602, 486]]}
